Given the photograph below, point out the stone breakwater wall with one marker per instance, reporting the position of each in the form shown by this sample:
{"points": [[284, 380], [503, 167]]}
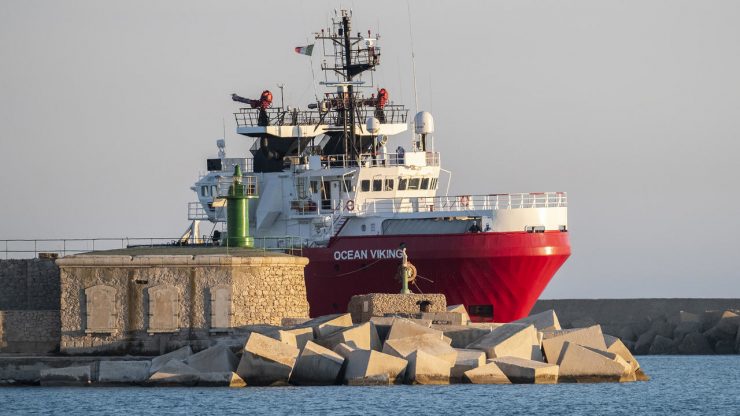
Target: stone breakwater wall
{"points": [[334, 350], [657, 326], [147, 304]]}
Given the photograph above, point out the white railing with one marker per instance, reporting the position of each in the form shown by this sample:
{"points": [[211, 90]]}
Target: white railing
{"points": [[463, 203]]}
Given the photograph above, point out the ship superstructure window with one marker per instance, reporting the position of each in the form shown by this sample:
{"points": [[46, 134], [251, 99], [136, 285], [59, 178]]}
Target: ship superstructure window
{"points": [[425, 183], [403, 184], [214, 190], [348, 185], [434, 183], [365, 185], [377, 185], [414, 184], [388, 185], [314, 187], [204, 191]]}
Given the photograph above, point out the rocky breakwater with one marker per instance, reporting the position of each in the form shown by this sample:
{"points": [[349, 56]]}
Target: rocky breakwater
{"points": [[382, 351]]}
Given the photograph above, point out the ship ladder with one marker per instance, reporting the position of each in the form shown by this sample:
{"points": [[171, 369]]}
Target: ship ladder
{"points": [[339, 224]]}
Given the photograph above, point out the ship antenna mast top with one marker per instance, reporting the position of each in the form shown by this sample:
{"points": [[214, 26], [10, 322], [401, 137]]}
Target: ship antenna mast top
{"points": [[352, 55]]}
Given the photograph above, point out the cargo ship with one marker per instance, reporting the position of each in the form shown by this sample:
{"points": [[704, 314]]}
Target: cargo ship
{"points": [[355, 187]]}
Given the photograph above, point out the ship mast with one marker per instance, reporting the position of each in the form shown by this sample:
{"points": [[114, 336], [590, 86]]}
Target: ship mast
{"points": [[352, 55]]}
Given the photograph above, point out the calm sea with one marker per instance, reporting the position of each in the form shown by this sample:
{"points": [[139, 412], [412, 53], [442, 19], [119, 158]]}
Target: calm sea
{"points": [[680, 385]]}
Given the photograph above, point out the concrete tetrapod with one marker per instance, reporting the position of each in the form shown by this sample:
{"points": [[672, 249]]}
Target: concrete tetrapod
{"points": [[218, 359], [543, 321], [316, 366], [466, 360], [363, 336], [368, 367], [583, 364], [123, 372], [66, 376], [552, 345], [266, 361], [178, 354], [510, 340], [425, 368], [489, 373], [429, 343], [520, 370]]}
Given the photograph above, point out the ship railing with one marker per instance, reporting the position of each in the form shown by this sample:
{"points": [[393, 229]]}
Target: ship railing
{"points": [[466, 203], [51, 248], [249, 117], [369, 160], [248, 186], [196, 212]]}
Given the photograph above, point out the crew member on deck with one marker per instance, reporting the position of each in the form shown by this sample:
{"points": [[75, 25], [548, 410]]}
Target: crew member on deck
{"points": [[475, 228]]}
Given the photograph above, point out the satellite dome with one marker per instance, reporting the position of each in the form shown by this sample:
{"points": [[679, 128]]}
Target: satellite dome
{"points": [[424, 122]]}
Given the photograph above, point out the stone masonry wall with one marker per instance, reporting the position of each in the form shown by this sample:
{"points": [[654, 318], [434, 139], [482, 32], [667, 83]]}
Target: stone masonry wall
{"points": [[29, 331], [263, 291], [29, 284], [363, 307]]}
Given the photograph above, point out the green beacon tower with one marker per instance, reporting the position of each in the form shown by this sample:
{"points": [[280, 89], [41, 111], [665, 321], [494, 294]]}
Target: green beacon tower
{"points": [[237, 211]]}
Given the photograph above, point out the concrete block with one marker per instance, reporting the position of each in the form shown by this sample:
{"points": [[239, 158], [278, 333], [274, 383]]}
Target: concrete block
{"points": [[520, 370], [123, 372], [615, 346], [65, 376], [695, 343], [444, 318], [489, 373], [425, 368], [462, 311], [220, 379], [466, 361], [543, 321], [316, 366], [402, 328], [724, 347], [343, 350], [363, 336], [510, 340], [266, 361], [725, 329], [325, 325], [368, 367], [174, 373], [582, 364], [288, 322], [429, 343], [178, 354], [461, 335], [587, 337], [663, 346], [217, 359], [297, 337]]}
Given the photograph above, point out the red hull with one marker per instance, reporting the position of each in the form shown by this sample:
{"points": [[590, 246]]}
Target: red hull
{"points": [[506, 270]]}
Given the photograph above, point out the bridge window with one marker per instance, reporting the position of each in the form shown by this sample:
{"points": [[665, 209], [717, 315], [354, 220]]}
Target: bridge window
{"points": [[434, 183], [425, 183], [365, 185], [388, 185], [402, 184], [414, 184], [204, 191], [377, 185]]}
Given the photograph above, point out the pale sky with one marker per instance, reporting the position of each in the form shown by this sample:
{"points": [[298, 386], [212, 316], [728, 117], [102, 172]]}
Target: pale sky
{"points": [[109, 109]]}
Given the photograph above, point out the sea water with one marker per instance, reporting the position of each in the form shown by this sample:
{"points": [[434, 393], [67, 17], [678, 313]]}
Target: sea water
{"points": [[680, 385]]}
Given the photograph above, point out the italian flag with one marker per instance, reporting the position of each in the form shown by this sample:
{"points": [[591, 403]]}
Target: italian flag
{"points": [[304, 50]]}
